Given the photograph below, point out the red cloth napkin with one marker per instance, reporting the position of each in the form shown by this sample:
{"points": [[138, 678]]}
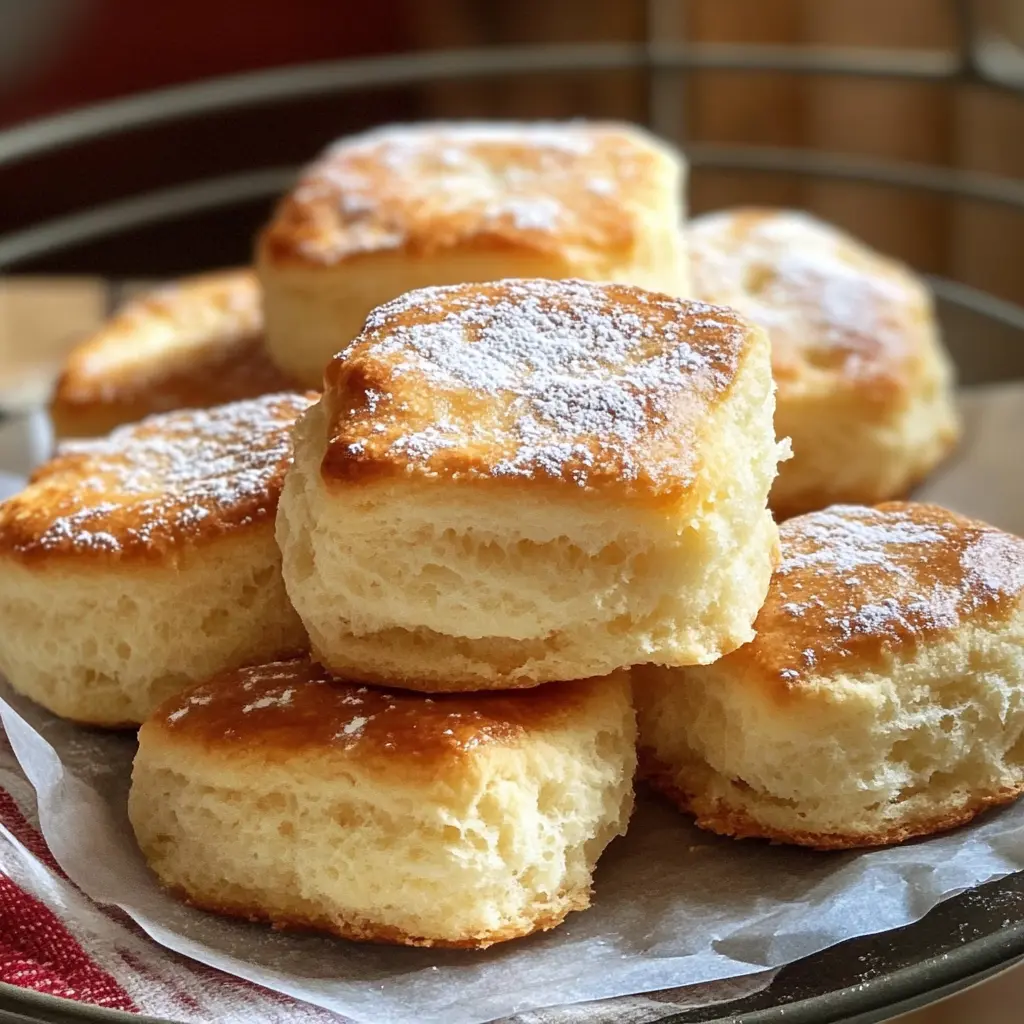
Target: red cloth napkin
{"points": [[55, 940]]}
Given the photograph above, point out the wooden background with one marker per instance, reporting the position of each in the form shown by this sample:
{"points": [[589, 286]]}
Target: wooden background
{"points": [[965, 126], [126, 46]]}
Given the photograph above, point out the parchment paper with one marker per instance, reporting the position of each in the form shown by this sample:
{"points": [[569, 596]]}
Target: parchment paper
{"points": [[674, 906]]}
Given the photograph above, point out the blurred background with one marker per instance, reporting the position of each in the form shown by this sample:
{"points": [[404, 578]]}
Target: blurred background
{"points": [[56, 55]]}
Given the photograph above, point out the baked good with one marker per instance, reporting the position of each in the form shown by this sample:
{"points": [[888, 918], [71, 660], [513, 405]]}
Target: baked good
{"points": [[133, 566], [414, 205], [512, 483], [190, 345], [277, 793], [883, 697], [865, 387]]}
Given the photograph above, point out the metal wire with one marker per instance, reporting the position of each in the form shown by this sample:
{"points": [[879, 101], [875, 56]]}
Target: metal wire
{"points": [[232, 190], [956, 293], [280, 85], [139, 211], [988, 188], [963, 12], [666, 101]]}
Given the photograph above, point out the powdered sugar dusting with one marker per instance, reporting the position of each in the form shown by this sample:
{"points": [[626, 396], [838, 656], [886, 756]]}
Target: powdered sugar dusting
{"points": [[292, 710], [353, 728], [585, 373], [995, 562], [377, 190], [261, 702], [423, 443], [540, 213], [161, 481], [195, 700], [837, 542], [850, 575], [448, 137], [811, 286]]}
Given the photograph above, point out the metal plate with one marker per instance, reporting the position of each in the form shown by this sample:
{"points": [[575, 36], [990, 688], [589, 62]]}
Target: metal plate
{"points": [[869, 979], [962, 941]]}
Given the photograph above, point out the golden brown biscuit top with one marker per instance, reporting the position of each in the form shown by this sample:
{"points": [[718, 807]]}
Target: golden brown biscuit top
{"points": [[857, 584], [294, 708], [543, 187], [158, 486], [192, 344], [836, 311], [566, 381]]}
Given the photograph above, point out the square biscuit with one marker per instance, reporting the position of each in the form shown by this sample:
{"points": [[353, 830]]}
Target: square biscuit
{"points": [[192, 344], [405, 207], [280, 793], [135, 565], [881, 700], [525, 481]]}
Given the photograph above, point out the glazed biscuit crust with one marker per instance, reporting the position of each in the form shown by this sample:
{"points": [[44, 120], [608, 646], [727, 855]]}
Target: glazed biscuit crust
{"points": [[532, 381], [549, 189], [194, 344], [293, 710], [147, 489], [856, 584]]}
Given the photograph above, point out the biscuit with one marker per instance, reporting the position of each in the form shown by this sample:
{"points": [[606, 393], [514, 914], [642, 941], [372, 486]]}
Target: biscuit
{"points": [[191, 345], [865, 387], [882, 699], [409, 206], [526, 481], [276, 793], [134, 566]]}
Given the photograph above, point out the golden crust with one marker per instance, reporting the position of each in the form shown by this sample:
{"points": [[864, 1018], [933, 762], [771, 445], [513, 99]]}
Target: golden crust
{"points": [[840, 316], [297, 710], [714, 815], [506, 658], [537, 188], [856, 584], [358, 930], [151, 490], [565, 382], [191, 345]]}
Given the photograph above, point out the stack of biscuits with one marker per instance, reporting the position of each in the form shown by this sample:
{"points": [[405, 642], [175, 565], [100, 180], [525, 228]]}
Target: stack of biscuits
{"points": [[399, 644]]}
